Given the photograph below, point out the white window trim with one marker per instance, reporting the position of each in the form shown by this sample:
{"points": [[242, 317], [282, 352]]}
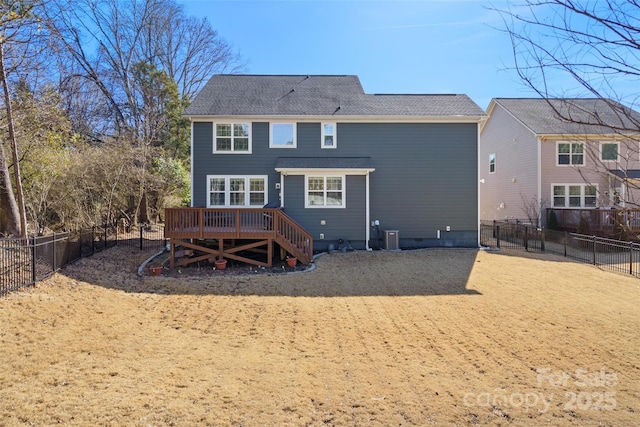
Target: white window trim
{"points": [[325, 176], [232, 151], [566, 195], [335, 135], [492, 156], [295, 134], [247, 190], [584, 154], [613, 143]]}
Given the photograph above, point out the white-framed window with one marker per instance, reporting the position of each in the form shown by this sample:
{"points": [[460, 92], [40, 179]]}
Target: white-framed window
{"points": [[329, 135], [609, 151], [240, 191], [570, 153], [232, 138], [325, 191], [492, 163], [574, 195], [282, 135]]}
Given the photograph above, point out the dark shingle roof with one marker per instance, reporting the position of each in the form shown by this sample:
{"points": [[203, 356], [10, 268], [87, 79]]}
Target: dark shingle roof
{"points": [[324, 163], [271, 95], [588, 115]]}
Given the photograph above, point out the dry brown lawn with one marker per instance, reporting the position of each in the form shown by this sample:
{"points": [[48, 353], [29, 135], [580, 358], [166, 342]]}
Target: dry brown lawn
{"points": [[434, 337]]}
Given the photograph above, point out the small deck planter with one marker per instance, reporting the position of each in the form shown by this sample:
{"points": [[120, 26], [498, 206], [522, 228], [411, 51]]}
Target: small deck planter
{"points": [[221, 264], [292, 262]]}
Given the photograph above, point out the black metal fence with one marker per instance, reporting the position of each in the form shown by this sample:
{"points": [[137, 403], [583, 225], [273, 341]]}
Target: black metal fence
{"points": [[24, 262], [615, 255]]}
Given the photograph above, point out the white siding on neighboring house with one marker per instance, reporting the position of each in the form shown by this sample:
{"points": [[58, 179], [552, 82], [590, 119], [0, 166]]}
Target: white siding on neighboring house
{"points": [[516, 164]]}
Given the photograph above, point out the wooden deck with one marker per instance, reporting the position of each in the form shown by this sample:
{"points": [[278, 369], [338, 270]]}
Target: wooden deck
{"points": [[601, 221], [226, 232]]}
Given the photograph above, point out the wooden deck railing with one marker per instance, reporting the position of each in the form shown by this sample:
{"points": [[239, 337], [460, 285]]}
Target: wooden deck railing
{"points": [[241, 223], [600, 220]]}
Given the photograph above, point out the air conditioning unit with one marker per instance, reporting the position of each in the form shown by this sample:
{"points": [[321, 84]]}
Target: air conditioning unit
{"points": [[391, 240]]}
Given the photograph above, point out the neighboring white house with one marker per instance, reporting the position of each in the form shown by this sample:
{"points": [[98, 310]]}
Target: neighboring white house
{"points": [[531, 159]]}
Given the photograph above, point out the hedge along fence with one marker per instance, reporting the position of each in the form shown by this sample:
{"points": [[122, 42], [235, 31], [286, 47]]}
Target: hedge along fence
{"points": [[24, 262], [616, 255]]}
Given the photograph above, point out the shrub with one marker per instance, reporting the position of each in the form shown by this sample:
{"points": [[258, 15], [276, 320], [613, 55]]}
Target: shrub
{"points": [[552, 221]]}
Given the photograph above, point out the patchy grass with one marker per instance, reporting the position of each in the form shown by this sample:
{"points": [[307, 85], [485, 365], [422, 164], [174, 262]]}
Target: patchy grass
{"points": [[446, 337]]}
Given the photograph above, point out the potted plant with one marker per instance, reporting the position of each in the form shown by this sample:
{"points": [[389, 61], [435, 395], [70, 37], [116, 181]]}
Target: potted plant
{"points": [[291, 261], [221, 264], [155, 270]]}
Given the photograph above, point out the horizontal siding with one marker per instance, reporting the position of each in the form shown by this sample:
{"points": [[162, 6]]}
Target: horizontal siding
{"points": [[503, 193], [425, 178], [347, 223], [587, 174]]}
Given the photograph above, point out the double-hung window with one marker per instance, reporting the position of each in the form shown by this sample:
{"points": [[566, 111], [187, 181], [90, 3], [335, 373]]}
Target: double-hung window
{"points": [[329, 137], [232, 138], [575, 195], [241, 191], [325, 192], [570, 153], [282, 135]]}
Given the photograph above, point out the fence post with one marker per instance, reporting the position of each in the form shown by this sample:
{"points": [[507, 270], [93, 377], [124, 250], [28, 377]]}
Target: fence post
{"points": [[594, 250], [140, 237], [526, 238], [497, 227], [105, 236], [631, 258], [542, 239], [93, 240], [33, 258], [493, 229], [565, 243], [55, 263]]}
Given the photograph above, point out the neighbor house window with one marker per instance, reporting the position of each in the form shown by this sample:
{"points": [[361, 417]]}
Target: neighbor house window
{"points": [[570, 153], [609, 151], [283, 135], [329, 135], [325, 192], [232, 138], [227, 191], [492, 163], [575, 195]]}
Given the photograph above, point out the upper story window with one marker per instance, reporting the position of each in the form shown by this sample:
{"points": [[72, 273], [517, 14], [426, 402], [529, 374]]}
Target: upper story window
{"points": [[329, 139], [282, 135], [570, 153], [575, 195], [232, 138], [227, 190], [492, 163], [325, 192], [609, 151]]}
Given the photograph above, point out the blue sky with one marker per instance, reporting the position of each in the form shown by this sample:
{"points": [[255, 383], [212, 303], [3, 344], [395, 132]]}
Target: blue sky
{"points": [[445, 46]]}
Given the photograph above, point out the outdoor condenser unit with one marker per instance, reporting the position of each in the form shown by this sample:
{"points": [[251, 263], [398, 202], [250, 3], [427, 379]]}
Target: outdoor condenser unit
{"points": [[391, 240]]}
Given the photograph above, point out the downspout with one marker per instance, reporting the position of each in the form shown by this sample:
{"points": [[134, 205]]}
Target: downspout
{"points": [[478, 167], [192, 168], [281, 190], [367, 214]]}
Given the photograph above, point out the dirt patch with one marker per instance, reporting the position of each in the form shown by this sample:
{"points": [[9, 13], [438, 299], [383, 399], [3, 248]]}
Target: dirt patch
{"points": [[446, 337]]}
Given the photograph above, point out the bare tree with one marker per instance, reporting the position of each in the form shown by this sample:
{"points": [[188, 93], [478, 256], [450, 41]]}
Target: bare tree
{"points": [[108, 39], [18, 29], [564, 50]]}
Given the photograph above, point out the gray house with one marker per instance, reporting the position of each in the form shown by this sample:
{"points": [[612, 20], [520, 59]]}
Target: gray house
{"points": [[343, 164]]}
